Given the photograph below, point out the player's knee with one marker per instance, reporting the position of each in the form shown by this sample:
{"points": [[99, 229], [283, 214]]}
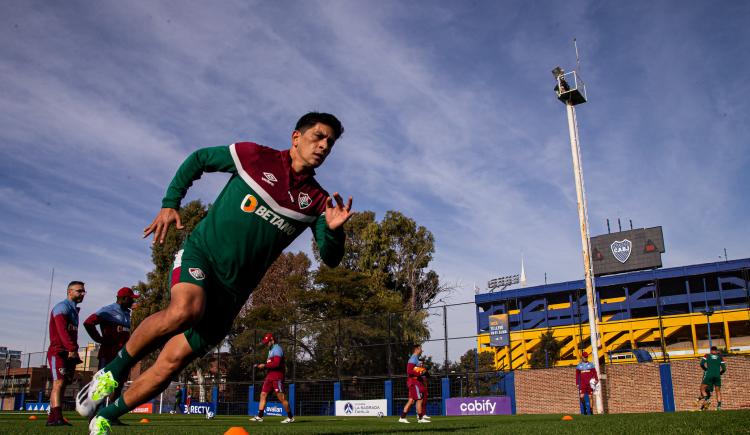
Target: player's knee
{"points": [[182, 317]]}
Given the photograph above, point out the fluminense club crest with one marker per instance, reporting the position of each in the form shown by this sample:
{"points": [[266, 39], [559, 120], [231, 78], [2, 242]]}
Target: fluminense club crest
{"points": [[304, 200], [621, 250]]}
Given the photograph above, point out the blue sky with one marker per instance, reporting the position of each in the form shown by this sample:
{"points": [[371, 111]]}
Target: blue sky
{"points": [[449, 115]]}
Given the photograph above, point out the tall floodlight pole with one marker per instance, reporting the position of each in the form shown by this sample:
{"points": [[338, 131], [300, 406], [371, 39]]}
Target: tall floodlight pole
{"points": [[571, 91]]}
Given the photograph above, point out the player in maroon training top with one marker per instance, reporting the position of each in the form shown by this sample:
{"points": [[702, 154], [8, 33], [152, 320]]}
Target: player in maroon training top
{"points": [[62, 354], [114, 321], [586, 379], [416, 382], [274, 381]]}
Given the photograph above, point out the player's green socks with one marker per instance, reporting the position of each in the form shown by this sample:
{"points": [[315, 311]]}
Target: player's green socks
{"points": [[121, 365], [114, 410]]}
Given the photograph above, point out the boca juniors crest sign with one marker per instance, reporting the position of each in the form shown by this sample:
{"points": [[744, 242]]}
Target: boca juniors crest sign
{"points": [[621, 249]]}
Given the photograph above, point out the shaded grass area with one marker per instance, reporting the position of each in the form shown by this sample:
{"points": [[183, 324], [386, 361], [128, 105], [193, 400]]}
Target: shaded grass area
{"points": [[723, 422]]}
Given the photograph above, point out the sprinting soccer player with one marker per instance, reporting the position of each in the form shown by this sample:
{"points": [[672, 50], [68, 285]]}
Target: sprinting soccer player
{"points": [[62, 354], [416, 383], [269, 200], [114, 321], [713, 366], [275, 369], [585, 373]]}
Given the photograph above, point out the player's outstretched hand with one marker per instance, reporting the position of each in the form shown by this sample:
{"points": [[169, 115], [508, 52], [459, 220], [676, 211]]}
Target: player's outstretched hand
{"points": [[161, 224], [338, 214]]}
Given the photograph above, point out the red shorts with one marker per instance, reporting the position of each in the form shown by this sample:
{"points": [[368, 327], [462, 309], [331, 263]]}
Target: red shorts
{"points": [[273, 385], [585, 389], [417, 391], [61, 368]]}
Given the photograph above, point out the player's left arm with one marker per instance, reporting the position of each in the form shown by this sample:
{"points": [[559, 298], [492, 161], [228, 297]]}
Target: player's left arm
{"points": [[723, 368], [329, 230]]}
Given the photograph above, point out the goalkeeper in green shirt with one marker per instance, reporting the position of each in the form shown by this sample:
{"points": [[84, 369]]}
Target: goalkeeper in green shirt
{"points": [[713, 366]]}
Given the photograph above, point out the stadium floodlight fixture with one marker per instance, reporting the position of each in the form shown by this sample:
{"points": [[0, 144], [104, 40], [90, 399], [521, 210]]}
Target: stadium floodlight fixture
{"points": [[557, 72], [503, 282]]}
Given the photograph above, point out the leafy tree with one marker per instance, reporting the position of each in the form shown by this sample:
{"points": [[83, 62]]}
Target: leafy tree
{"points": [[396, 254], [346, 328], [547, 353]]}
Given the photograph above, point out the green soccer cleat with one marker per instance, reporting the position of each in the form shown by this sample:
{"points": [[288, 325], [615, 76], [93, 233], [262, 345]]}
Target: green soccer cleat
{"points": [[93, 394], [99, 426]]}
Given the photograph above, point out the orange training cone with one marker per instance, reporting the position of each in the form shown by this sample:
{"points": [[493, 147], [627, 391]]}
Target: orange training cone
{"points": [[236, 430], [567, 418], [145, 420], [32, 417]]}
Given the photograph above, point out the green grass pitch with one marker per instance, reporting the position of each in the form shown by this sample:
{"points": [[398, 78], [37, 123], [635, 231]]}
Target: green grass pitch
{"points": [[712, 422]]}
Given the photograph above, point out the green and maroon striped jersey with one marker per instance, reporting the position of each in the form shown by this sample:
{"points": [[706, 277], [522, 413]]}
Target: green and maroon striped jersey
{"points": [[264, 206]]}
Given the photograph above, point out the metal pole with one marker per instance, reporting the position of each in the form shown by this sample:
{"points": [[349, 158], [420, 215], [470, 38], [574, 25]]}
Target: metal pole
{"points": [[664, 354], [708, 323], [585, 244], [294, 352], [390, 363], [49, 303], [445, 337]]}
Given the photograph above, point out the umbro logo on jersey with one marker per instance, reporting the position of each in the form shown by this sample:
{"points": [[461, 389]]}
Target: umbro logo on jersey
{"points": [[197, 273], [304, 200], [269, 178]]}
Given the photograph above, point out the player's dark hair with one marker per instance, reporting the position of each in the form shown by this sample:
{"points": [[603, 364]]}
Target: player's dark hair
{"points": [[714, 348], [310, 119], [72, 283], [415, 347]]}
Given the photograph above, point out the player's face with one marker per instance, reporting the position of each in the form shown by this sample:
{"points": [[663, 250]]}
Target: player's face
{"points": [[76, 293], [418, 351], [313, 146], [127, 302]]}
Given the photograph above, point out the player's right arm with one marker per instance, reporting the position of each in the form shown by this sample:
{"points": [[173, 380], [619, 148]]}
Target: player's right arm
{"points": [[212, 159], [703, 364], [90, 325]]}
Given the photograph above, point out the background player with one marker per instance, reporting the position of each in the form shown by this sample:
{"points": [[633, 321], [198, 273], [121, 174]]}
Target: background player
{"points": [[275, 369], [114, 321], [585, 373], [177, 401], [713, 366], [416, 383], [269, 200], [62, 354]]}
